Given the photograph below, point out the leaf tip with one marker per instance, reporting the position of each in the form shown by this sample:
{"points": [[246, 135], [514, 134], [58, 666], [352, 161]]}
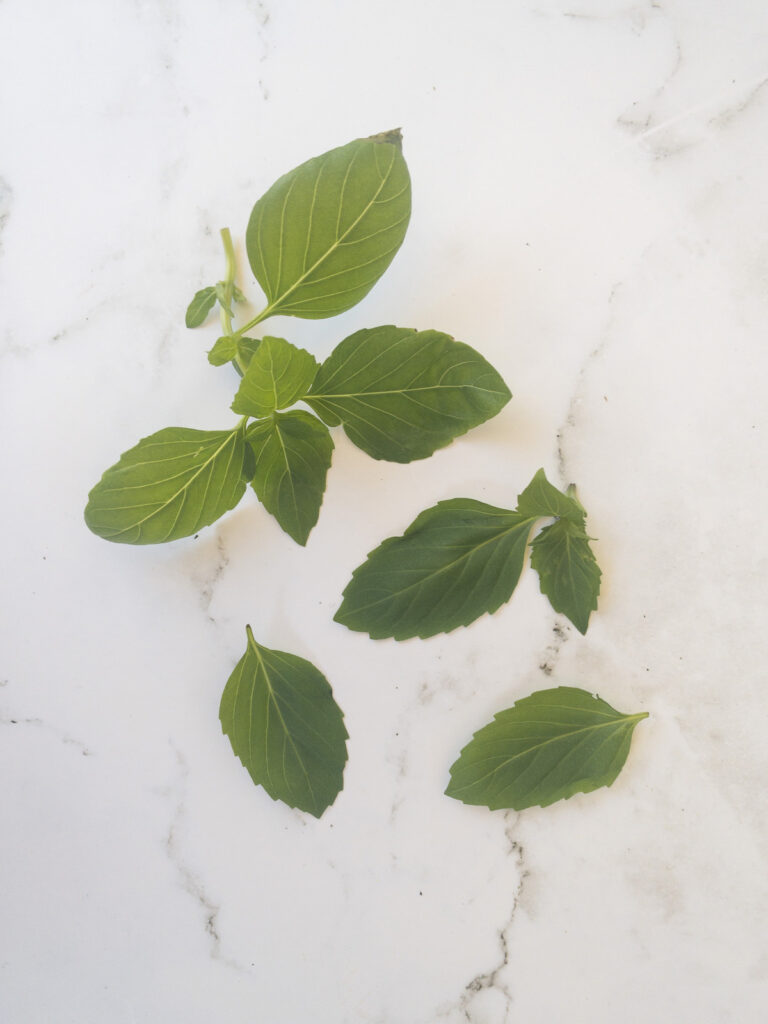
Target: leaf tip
{"points": [[394, 137]]}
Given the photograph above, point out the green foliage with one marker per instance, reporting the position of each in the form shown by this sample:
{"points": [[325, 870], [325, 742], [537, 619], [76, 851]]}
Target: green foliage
{"points": [[568, 573], [317, 241], [455, 562], [402, 394], [277, 375], [324, 233], [462, 559], [223, 351], [169, 485], [545, 748], [293, 453], [200, 306], [282, 721]]}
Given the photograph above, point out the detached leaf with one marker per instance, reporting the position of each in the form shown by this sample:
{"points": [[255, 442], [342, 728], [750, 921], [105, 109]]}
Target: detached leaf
{"points": [[282, 721], [547, 747], [223, 351], [455, 562], [402, 394], [293, 453], [462, 558], [278, 375], [568, 572], [200, 306], [170, 485], [324, 233]]}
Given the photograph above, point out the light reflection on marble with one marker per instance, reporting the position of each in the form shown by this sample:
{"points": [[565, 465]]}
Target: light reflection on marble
{"points": [[591, 212]]}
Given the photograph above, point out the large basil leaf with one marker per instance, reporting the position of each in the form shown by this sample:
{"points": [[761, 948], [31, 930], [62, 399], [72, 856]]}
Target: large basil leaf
{"points": [[293, 453], [547, 747], [324, 233], [282, 721], [278, 375], [170, 485], [402, 394], [455, 562]]}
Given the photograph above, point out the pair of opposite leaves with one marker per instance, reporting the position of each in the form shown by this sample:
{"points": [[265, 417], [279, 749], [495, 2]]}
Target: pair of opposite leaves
{"points": [[317, 241]]}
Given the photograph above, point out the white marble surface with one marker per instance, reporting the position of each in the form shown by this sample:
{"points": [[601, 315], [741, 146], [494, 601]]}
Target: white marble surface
{"points": [[591, 212]]}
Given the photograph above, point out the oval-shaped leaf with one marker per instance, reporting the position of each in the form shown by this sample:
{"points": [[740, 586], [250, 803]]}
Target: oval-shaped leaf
{"points": [[200, 306], [170, 485], [545, 748], [401, 394], [455, 562], [278, 375], [282, 721], [324, 233], [293, 453]]}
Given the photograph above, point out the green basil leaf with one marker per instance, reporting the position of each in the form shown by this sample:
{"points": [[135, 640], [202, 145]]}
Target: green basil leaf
{"points": [[293, 454], [324, 233], [402, 394], [237, 295], [278, 375], [200, 306], [568, 572], [282, 721], [541, 499], [455, 562], [170, 485], [223, 351], [545, 748]]}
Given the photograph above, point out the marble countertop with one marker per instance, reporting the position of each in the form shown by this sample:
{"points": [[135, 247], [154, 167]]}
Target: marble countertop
{"points": [[591, 213]]}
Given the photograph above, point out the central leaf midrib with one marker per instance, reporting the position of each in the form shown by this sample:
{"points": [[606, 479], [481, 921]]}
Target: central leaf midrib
{"points": [[402, 391], [273, 699]]}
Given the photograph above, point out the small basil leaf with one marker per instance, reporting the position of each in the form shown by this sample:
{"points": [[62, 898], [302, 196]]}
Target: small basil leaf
{"points": [[323, 234], [402, 394], [237, 295], [541, 499], [568, 572], [200, 306], [278, 375], [223, 351], [455, 562], [170, 485], [545, 748], [292, 454], [282, 721]]}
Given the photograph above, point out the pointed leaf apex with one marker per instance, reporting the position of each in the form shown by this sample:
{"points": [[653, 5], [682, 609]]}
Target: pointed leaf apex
{"points": [[394, 137]]}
